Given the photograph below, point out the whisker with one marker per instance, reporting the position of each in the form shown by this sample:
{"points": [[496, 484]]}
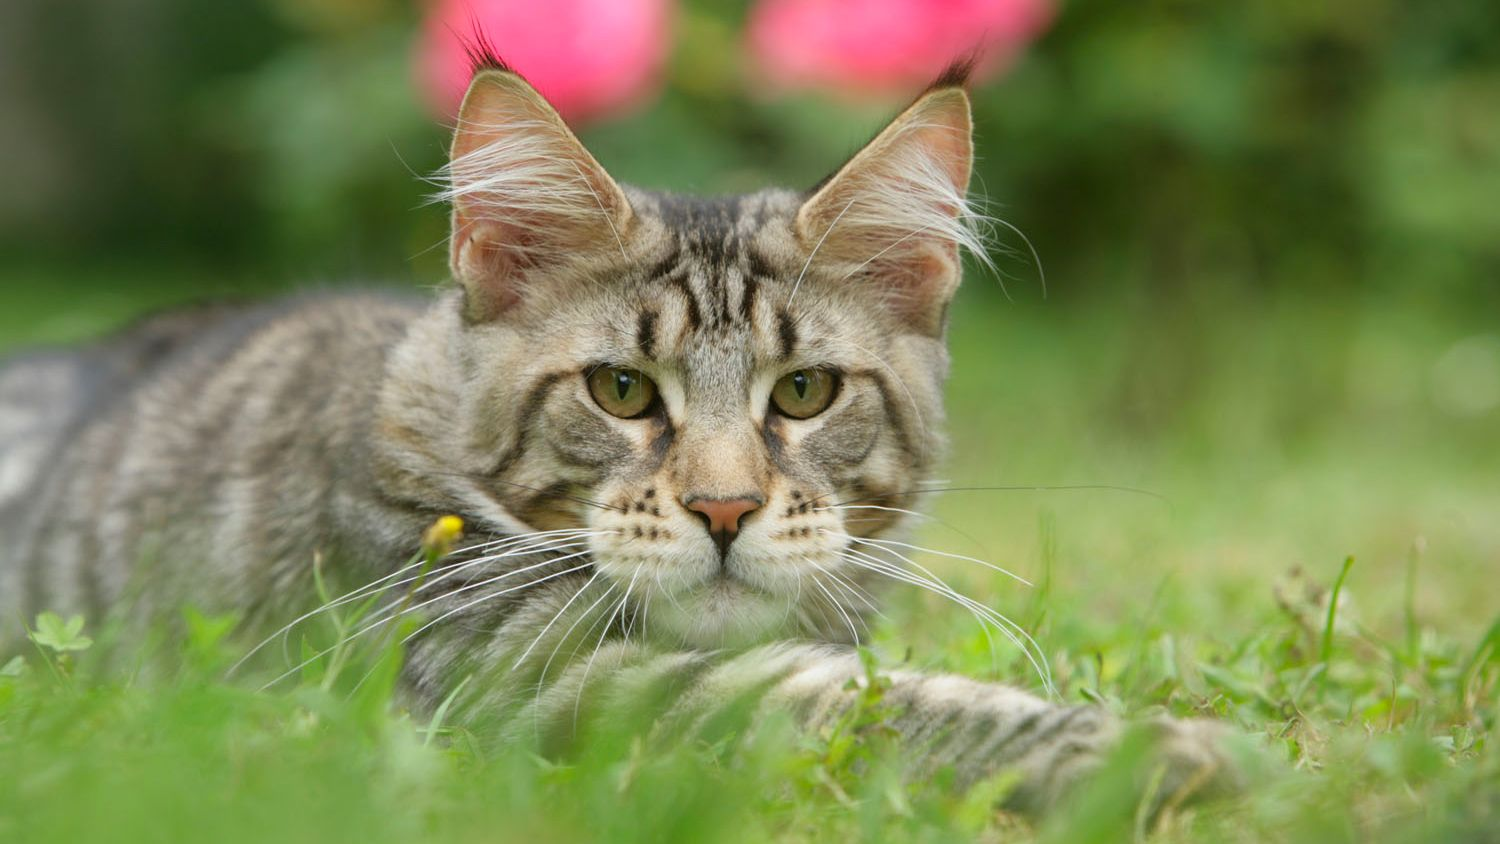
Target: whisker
{"points": [[645, 602], [491, 580], [571, 542], [455, 570], [932, 576], [1035, 256], [553, 620], [375, 586], [546, 666], [859, 593], [588, 666], [904, 238], [1016, 488], [493, 595], [994, 614], [481, 599], [854, 634], [901, 576], [374, 624], [926, 517], [832, 507], [847, 586], [881, 543], [822, 611], [1011, 630]]}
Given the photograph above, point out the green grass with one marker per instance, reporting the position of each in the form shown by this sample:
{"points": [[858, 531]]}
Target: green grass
{"points": [[1252, 448]]}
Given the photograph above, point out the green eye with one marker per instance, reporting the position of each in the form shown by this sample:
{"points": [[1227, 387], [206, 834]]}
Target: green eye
{"points": [[626, 393], [804, 393]]}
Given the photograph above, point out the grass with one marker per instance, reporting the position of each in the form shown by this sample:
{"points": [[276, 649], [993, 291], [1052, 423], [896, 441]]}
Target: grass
{"points": [[1187, 485]]}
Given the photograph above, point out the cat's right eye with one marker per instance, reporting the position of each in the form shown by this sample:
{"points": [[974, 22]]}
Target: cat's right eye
{"points": [[626, 393], [804, 393]]}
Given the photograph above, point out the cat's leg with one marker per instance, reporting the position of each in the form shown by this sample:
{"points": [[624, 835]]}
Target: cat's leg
{"points": [[945, 721]]}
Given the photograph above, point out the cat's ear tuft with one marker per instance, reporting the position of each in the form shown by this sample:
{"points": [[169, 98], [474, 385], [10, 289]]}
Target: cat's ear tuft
{"points": [[956, 74], [896, 215], [526, 196], [482, 54]]}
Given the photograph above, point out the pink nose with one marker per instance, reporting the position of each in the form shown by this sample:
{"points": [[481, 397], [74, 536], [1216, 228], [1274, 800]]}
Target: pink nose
{"points": [[722, 516]]}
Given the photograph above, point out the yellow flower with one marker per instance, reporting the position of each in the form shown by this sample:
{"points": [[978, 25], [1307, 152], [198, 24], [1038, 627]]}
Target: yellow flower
{"points": [[439, 539]]}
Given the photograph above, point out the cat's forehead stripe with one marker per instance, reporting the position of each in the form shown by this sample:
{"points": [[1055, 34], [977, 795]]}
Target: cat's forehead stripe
{"points": [[711, 272]]}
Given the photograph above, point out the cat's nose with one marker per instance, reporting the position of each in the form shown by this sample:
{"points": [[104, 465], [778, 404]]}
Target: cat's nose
{"points": [[722, 516]]}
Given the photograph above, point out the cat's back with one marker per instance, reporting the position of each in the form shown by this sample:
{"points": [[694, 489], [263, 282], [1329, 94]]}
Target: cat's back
{"points": [[46, 395], [179, 406]]}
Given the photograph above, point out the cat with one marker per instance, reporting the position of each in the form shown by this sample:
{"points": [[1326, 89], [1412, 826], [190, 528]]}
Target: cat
{"points": [[680, 432]]}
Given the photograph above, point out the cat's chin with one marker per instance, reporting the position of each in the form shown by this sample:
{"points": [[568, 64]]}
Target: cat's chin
{"points": [[723, 613]]}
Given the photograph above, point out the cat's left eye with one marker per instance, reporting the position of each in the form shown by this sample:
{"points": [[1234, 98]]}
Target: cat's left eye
{"points": [[804, 393], [626, 393]]}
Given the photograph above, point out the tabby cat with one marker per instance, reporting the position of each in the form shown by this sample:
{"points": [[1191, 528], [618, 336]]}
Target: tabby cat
{"points": [[681, 433]]}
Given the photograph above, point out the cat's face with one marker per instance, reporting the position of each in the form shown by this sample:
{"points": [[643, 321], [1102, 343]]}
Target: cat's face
{"points": [[730, 394]]}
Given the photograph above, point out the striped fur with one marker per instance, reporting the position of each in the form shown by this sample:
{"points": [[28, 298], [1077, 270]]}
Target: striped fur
{"points": [[210, 457]]}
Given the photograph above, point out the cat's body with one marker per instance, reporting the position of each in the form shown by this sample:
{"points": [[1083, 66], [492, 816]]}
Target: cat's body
{"points": [[705, 433], [201, 456]]}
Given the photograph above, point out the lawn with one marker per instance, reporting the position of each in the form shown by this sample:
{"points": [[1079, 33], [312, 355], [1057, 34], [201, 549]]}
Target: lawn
{"points": [[1187, 485]]}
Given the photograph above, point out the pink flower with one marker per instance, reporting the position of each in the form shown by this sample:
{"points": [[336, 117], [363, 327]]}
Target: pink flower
{"points": [[588, 57], [878, 46]]}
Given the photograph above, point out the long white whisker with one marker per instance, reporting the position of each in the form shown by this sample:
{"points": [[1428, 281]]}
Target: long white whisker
{"points": [[904, 238], [542, 679], [881, 543], [902, 576], [553, 620], [870, 507], [493, 595], [492, 580], [930, 575], [846, 586], [848, 622], [1012, 631], [489, 596], [1035, 256], [588, 666], [858, 592], [573, 542], [375, 586], [374, 624], [917, 514], [459, 568]]}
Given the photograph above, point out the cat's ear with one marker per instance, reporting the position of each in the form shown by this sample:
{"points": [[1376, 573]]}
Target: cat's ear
{"points": [[526, 195], [895, 216]]}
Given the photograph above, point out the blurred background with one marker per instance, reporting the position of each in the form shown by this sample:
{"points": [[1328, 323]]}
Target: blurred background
{"points": [[1268, 231]]}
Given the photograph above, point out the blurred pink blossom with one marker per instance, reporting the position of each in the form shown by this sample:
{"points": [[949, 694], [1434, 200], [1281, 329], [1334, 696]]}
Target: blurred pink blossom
{"points": [[588, 57], [879, 46]]}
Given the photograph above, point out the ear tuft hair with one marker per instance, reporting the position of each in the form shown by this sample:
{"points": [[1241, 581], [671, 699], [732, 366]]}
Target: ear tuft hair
{"points": [[957, 73], [481, 51]]}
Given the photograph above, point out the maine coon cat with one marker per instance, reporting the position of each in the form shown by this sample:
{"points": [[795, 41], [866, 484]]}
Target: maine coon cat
{"points": [[682, 434]]}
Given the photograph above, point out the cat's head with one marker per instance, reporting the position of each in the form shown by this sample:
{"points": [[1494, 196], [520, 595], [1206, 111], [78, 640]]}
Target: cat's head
{"points": [[739, 384]]}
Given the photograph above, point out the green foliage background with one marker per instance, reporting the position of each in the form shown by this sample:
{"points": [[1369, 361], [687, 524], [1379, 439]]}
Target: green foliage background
{"points": [[1272, 259]]}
